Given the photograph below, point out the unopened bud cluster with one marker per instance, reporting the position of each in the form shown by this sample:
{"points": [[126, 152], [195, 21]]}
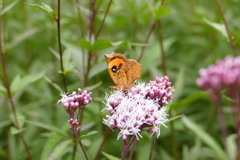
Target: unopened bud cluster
{"points": [[75, 100]]}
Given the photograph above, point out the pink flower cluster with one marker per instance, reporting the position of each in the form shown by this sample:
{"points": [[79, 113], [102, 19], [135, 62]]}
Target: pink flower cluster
{"points": [[224, 74], [139, 108], [75, 100]]}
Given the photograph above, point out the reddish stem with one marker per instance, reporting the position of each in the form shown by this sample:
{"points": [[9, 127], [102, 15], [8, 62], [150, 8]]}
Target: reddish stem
{"points": [[60, 47], [222, 122], [146, 41], [134, 142], [227, 28], [5, 78]]}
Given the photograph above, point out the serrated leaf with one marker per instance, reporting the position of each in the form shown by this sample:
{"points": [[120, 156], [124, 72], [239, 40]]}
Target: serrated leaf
{"points": [[54, 147], [161, 12], [8, 7], [110, 157], [219, 27], [46, 126], [205, 137], [14, 130]]}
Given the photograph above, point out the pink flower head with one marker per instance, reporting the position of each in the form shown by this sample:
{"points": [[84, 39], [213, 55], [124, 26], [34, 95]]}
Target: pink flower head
{"points": [[224, 74], [76, 99], [140, 107]]}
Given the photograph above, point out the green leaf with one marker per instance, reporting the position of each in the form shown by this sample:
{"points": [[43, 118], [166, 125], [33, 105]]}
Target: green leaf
{"points": [[5, 123], [46, 126], [89, 88], [20, 117], [19, 83], [8, 7], [161, 12], [174, 118], [21, 37], [205, 137], [124, 44], [47, 8], [85, 44], [54, 147], [101, 44], [188, 100], [56, 86], [44, 7], [96, 69], [87, 135], [55, 53], [15, 84], [87, 126], [31, 78], [232, 146], [69, 69], [110, 157], [14, 130], [3, 90], [219, 27]]}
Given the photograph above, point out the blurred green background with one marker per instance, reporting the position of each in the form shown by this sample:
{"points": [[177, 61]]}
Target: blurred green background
{"points": [[193, 37]]}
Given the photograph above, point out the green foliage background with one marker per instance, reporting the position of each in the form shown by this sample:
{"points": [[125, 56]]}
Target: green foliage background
{"points": [[192, 40]]}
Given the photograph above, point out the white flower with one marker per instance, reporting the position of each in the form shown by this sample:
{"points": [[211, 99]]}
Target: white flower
{"points": [[134, 110]]}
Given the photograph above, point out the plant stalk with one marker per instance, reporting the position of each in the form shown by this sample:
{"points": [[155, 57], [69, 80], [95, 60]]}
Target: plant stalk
{"points": [[101, 26], [227, 28], [222, 123], [146, 41], [60, 46]]}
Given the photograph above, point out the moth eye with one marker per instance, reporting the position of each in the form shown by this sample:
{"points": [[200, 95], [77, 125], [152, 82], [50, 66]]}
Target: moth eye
{"points": [[114, 69]]}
